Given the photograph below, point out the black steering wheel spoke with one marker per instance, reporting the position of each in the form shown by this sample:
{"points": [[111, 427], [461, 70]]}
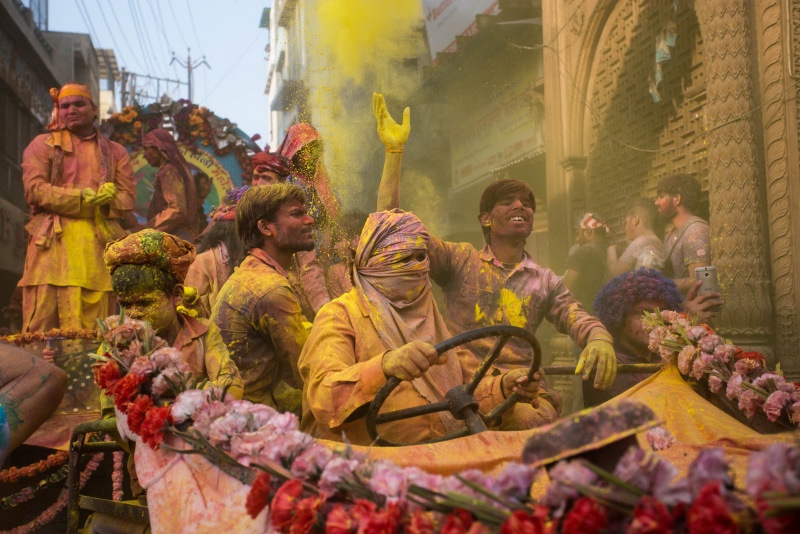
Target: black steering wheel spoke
{"points": [[459, 401]]}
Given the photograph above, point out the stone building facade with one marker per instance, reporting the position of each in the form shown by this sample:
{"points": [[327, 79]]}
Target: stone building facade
{"points": [[728, 111]]}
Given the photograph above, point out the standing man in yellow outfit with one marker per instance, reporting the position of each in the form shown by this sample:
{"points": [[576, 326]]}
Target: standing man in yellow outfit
{"points": [[79, 184]]}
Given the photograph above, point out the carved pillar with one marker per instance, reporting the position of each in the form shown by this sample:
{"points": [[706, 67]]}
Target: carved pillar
{"points": [[780, 156], [574, 167], [737, 227]]}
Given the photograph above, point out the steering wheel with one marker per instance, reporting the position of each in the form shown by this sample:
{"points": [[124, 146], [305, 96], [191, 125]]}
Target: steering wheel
{"points": [[459, 401]]}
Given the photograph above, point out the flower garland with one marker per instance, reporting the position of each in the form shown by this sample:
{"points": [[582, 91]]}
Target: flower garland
{"points": [[192, 123], [13, 474], [741, 376], [309, 487], [50, 513], [28, 493], [55, 333]]}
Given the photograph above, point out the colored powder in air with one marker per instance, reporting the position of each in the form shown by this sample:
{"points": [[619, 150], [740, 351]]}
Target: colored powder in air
{"points": [[356, 47]]}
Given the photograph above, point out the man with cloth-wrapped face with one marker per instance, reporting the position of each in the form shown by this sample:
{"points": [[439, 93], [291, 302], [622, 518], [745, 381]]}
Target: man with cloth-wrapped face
{"points": [[386, 326]]}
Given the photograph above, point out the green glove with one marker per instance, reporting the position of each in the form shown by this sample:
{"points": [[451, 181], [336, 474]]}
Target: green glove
{"points": [[598, 352]]}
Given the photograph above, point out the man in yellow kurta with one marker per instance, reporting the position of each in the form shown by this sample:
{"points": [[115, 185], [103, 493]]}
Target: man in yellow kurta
{"points": [[78, 184]]}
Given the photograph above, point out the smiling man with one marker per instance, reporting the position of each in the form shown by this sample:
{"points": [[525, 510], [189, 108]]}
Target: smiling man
{"points": [[78, 184], [501, 283], [257, 310]]}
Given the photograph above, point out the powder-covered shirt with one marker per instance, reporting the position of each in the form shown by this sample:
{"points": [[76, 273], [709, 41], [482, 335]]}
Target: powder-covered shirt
{"points": [[691, 243], [73, 253], [644, 251], [260, 320], [479, 291], [342, 370]]}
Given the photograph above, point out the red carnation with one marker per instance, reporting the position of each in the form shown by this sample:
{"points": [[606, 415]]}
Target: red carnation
{"points": [[155, 422], [585, 517], [384, 521], [305, 515], [107, 375], [283, 504], [780, 524], [137, 410], [522, 522], [258, 497], [125, 389], [650, 517], [709, 512], [339, 521], [458, 522], [421, 523], [750, 355]]}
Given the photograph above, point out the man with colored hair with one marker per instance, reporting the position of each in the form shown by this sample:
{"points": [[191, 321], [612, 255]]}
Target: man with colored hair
{"points": [[500, 284], [644, 247], [147, 270], [257, 310], [269, 168], [173, 208], [386, 326], [586, 266], [620, 305], [79, 185], [688, 245]]}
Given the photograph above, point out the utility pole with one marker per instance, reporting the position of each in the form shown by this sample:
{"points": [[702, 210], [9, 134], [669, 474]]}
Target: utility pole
{"points": [[189, 66]]}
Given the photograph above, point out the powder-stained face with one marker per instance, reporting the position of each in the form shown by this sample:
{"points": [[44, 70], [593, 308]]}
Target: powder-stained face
{"points": [[512, 216], [633, 332], [153, 306], [666, 206], [262, 175], [76, 112], [154, 156], [292, 228]]}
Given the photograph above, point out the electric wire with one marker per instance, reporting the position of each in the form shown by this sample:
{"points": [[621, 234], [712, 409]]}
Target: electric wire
{"points": [[177, 25], [146, 32], [194, 28], [139, 38], [143, 36], [140, 63], [117, 48], [87, 21], [225, 76]]}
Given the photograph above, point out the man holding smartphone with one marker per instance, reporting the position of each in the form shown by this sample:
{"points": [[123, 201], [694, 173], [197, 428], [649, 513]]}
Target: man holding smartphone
{"points": [[688, 245]]}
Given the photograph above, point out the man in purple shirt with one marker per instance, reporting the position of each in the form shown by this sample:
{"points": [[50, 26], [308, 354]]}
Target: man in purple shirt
{"points": [[501, 283]]}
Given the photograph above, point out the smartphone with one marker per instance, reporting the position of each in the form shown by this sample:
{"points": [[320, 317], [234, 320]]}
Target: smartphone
{"points": [[709, 277]]}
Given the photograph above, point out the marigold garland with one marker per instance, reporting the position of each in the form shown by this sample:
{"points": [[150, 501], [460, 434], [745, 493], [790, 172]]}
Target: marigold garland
{"points": [[28, 493], [54, 509], [13, 474], [55, 333]]}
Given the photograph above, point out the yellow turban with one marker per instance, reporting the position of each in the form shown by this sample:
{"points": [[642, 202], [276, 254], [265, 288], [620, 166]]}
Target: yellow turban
{"points": [[70, 89], [150, 247]]}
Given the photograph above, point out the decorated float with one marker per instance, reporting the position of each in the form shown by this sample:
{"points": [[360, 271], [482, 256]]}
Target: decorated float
{"points": [[211, 145], [660, 458]]}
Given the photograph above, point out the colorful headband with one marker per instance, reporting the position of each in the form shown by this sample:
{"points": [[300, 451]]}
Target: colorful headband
{"points": [[591, 221]]}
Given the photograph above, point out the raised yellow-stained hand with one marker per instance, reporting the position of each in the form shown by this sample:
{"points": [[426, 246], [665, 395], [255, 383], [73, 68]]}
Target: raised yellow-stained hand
{"points": [[393, 135], [599, 352], [105, 195]]}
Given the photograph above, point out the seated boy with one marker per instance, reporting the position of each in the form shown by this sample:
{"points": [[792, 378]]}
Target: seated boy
{"points": [[147, 272]]}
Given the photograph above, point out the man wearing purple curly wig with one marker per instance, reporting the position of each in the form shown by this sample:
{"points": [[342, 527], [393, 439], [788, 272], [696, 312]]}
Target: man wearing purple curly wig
{"points": [[620, 305]]}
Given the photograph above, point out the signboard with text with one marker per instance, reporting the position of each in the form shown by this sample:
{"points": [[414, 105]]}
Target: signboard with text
{"points": [[445, 19], [497, 134]]}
